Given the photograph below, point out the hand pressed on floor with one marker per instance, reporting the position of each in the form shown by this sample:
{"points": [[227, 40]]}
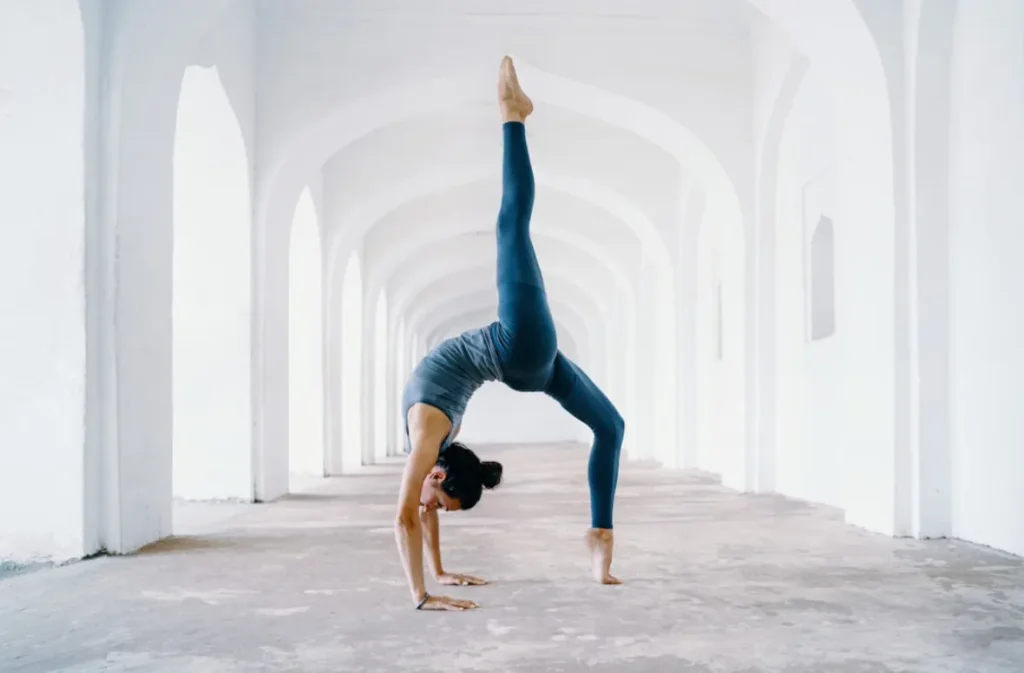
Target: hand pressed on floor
{"points": [[456, 579], [447, 603]]}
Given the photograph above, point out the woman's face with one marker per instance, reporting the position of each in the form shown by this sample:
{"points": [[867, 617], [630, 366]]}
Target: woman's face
{"points": [[432, 496]]}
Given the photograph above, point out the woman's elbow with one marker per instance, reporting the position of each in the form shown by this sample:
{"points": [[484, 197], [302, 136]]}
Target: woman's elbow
{"points": [[407, 520]]}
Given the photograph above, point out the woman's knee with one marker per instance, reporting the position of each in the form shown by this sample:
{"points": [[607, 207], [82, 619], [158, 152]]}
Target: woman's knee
{"points": [[612, 428]]}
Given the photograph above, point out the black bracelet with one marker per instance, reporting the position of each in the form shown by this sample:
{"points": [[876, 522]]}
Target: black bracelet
{"points": [[426, 597]]}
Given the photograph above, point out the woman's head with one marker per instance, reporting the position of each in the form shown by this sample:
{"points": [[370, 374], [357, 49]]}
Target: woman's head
{"points": [[458, 479]]}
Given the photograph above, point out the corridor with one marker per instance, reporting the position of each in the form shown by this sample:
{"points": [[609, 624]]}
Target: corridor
{"points": [[782, 237], [714, 581]]}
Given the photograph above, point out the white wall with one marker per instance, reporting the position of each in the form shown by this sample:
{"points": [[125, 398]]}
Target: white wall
{"points": [[987, 241], [810, 417], [499, 415], [42, 295], [721, 354]]}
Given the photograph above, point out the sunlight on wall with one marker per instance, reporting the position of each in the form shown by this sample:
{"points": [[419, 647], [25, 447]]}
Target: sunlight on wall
{"points": [[305, 343], [351, 365], [211, 295]]}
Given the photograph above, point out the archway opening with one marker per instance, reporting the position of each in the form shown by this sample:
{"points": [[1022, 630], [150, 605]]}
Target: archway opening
{"points": [[380, 379], [398, 426], [351, 365], [305, 344], [821, 287], [211, 296]]}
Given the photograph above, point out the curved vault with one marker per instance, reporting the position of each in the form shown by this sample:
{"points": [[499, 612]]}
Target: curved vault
{"points": [[372, 112], [422, 235], [440, 305]]}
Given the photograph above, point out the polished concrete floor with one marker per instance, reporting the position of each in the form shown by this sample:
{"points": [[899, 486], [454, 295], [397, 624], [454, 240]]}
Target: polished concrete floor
{"points": [[714, 581]]}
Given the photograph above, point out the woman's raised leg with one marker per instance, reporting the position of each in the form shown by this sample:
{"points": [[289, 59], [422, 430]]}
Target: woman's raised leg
{"points": [[526, 341]]}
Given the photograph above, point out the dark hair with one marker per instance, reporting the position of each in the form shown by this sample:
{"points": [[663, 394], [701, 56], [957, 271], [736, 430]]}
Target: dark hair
{"points": [[465, 475]]}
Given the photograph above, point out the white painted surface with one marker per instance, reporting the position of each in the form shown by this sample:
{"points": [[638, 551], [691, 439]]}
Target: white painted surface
{"points": [[305, 343], [987, 240], [809, 414], [720, 347], [352, 366], [211, 296], [42, 294], [618, 140], [149, 46], [380, 378], [499, 415]]}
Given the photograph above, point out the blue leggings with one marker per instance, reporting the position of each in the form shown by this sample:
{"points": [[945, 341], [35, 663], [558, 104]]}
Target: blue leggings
{"points": [[525, 338]]}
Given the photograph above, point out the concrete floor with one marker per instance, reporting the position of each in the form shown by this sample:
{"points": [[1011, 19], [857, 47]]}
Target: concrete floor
{"points": [[714, 581]]}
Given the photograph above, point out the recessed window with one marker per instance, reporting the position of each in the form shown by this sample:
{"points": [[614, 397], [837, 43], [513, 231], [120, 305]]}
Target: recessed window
{"points": [[822, 281], [719, 336]]}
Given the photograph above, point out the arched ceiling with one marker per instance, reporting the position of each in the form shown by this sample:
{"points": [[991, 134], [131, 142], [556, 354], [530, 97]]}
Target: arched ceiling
{"points": [[458, 285], [476, 256], [391, 246], [571, 340]]}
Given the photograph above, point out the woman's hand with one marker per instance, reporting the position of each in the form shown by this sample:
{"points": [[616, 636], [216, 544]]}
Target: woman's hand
{"points": [[455, 579], [447, 603]]}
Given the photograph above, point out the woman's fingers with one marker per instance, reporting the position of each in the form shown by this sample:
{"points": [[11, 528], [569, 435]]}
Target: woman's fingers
{"points": [[447, 603]]}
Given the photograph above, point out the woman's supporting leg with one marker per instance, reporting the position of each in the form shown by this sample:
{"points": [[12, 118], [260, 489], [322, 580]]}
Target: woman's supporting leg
{"points": [[573, 389]]}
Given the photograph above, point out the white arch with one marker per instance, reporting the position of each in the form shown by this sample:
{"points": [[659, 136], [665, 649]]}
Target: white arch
{"points": [[834, 35], [721, 353], [762, 284], [612, 366], [398, 372], [448, 258], [620, 371], [349, 455], [305, 342], [400, 194], [380, 377], [344, 125], [211, 296], [130, 239], [445, 254], [367, 213], [474, 313], [659, 327]]}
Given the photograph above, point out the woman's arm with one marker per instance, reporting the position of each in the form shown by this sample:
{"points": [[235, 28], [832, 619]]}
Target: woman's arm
{"points": [[425, 437], [432, 541], [408, 532]]}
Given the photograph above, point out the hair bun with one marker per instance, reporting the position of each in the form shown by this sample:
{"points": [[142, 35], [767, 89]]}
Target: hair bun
{"points": [[490, 474]]}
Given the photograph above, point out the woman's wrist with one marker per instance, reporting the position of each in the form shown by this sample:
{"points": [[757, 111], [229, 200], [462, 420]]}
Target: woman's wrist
{"points": [[421, 599]]}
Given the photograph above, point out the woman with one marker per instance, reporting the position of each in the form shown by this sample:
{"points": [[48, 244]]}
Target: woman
{"points": [[521, 350]]}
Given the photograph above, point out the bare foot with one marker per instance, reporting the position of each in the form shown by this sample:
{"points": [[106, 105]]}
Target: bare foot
{"points": [[600, 542], [515, 105]]}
